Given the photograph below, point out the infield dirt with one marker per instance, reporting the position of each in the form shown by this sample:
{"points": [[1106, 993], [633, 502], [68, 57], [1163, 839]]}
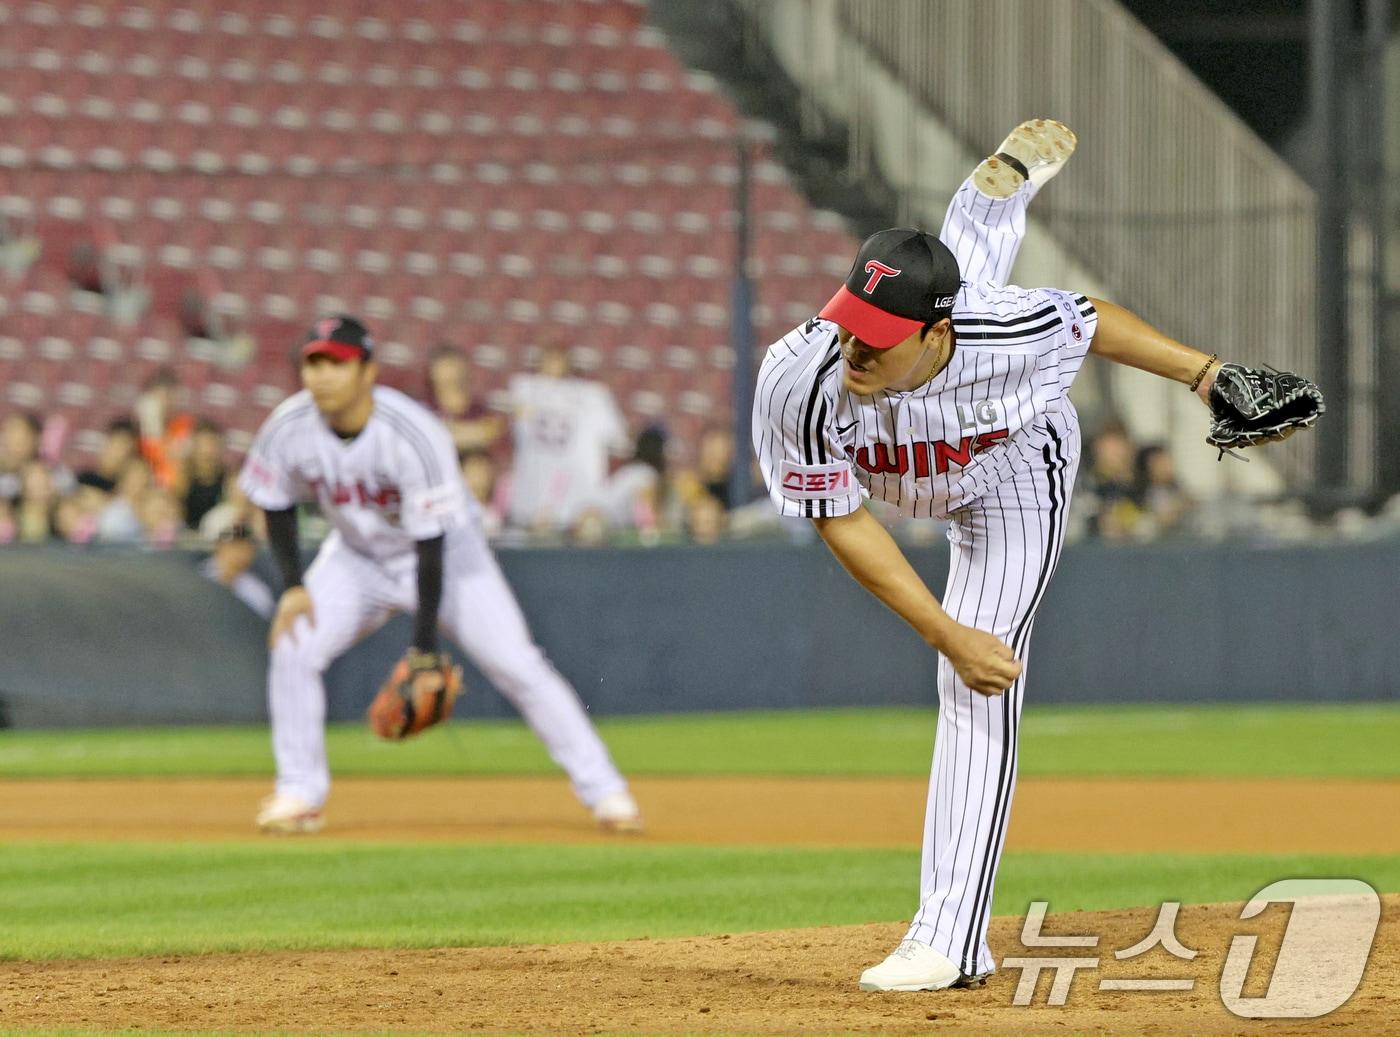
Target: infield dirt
{"points": [[1111, 815]]}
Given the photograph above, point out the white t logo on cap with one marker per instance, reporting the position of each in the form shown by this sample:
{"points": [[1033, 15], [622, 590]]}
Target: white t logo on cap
{"points": [[877, 270]]}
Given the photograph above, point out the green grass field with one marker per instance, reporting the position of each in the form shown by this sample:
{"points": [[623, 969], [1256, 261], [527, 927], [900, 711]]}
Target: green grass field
{"points": [[101, 899], [1310, 741]]}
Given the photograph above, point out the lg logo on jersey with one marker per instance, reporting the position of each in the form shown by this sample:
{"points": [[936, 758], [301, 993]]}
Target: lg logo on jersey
{"points": [[984, 414], [877, 460]]}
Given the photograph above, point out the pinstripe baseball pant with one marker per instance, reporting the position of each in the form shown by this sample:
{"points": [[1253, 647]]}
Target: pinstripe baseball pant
{"points": [[353, 595], [1005, 546]]}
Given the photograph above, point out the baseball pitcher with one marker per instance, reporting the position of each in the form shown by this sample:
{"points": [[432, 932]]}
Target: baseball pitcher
{"points": [[930, 383]]}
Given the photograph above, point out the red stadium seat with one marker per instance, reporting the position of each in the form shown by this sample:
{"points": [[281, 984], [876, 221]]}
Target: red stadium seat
{"points": [[497, 174]]}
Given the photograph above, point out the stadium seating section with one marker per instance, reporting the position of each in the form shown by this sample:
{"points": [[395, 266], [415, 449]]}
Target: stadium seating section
{"points": [[188, 183]]}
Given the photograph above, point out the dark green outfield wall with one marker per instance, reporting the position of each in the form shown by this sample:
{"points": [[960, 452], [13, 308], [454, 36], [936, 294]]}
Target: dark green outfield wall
{"points": [[123, 639], [91, 639]]}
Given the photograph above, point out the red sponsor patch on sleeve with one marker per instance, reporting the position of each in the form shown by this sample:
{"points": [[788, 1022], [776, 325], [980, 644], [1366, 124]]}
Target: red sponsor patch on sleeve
{"points": [[816, 482]]}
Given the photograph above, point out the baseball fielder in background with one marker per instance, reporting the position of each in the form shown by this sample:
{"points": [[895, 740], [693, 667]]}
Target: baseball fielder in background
{"points": [[406, 537], [929, 383]]}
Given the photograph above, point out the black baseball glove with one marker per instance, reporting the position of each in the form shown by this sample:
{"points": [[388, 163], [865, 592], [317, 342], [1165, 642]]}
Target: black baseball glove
{"points": [[1249, 406]]}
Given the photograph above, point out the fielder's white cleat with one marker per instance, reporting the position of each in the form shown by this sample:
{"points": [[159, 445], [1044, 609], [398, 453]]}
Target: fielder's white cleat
{"points": [[1037, 150], [618, 812], [281, 814], [912, 966]]}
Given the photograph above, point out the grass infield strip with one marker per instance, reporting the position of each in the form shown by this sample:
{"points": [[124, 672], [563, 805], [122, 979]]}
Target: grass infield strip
{"points": [[1257, 741], [109, 900]]}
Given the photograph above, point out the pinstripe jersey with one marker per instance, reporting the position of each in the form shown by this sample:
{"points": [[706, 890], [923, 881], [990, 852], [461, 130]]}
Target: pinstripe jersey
{"points": [[935, 448], [394, 483]]}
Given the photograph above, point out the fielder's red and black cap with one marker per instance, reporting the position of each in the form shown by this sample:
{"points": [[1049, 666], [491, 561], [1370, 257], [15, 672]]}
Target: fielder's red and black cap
{"points": [[340, 338], [901, 280]]}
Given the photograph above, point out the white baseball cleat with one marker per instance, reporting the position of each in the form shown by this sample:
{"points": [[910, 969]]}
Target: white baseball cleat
{"points": [[618, 812], [281, 814], [912, 966], [1037, 149]]}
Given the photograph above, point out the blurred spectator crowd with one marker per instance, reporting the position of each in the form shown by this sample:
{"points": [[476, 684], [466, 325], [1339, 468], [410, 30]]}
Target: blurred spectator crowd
{"points": [[1129, 492], [160, 478], [559, 468]]}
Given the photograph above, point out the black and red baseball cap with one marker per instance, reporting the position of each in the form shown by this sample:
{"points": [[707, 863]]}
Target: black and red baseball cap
{"points": [[901, 280], [340, 338]]}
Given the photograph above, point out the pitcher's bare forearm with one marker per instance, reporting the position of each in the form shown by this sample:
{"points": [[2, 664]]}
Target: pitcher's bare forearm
{"points": [[1125, 338], [868, 552], [982, 660]]}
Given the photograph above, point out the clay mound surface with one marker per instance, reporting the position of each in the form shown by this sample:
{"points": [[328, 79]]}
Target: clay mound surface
{"points": [[790, 982]]}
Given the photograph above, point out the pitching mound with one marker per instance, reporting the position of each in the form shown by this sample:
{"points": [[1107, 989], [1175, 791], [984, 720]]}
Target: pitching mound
{"points": [[793, 982]]}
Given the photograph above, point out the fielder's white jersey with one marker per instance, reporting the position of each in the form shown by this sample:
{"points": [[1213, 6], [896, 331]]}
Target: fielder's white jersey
{"points": [[395, 483], [933, 449]]}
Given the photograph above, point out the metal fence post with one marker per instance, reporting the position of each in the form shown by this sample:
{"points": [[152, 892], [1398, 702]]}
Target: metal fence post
{"points": [[741, 334]]}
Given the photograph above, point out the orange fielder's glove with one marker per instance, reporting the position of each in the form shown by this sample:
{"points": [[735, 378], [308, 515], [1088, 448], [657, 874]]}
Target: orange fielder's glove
{"points": [[419, 693]]}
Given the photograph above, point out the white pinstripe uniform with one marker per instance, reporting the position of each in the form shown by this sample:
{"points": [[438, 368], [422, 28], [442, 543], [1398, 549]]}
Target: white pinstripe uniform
{"points": [[395, 483], [991, 443]]}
